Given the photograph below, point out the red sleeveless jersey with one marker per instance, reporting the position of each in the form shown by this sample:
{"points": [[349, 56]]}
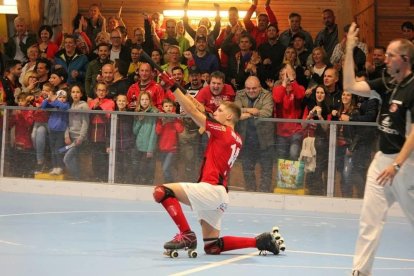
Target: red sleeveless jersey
{"points": [[223, 147]]}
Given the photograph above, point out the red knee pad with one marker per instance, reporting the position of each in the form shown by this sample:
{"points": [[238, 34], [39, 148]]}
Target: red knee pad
{"points": [[161, 193], [213, 246]]}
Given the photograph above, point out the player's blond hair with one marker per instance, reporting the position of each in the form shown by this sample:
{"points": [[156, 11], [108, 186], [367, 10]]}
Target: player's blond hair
{"points": [[234, 109]]}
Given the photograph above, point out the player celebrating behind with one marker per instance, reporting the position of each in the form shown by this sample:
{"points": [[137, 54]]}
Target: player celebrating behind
{"points": [[222, 149]]}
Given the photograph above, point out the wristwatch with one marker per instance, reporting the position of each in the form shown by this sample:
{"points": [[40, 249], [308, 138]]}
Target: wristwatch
{"points": [[396, 166]]}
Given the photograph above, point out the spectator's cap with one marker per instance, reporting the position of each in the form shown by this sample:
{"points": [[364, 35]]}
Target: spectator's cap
{"points": [[169, 41], [61, 72], [300, 35], [201, 37], [193, 70], [61, 93]]}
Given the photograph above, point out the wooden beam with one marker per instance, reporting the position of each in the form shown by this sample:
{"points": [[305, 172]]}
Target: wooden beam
{"points": [[30, 11], [69, 11]]}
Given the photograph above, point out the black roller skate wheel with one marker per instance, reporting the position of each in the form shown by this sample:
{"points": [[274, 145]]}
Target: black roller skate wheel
{"points": [[192, 254], [174, 254]]}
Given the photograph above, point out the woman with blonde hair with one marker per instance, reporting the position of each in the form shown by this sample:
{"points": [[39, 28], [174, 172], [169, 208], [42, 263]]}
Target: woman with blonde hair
{"points": [[33, 53], [316, 67], [291, 57], [30, 82]]}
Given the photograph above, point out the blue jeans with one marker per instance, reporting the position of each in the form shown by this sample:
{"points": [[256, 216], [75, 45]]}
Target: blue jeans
{"points": [[71, 161], [144, 167], [288, 147], [252, 155], [39, 134], [57, 141], [345, 167], [167, 164]]}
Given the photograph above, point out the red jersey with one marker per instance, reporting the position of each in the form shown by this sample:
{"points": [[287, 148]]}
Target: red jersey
{"points": [[212, 102], [167, 130], [223, 147], [156, 91]]}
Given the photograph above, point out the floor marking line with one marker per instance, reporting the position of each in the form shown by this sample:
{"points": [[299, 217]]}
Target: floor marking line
{"points": [[215, 264], [10, 243], [349, 255], [228, 213], [79, 222], [232, 260], [74, 212]]}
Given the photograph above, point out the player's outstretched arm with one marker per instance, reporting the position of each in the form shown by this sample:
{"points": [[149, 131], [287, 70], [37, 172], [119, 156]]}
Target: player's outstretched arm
{"points": [[186, 102]]}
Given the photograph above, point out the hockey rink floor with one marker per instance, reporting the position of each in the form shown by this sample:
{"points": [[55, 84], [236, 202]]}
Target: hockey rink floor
{"points": [[68, 235]]}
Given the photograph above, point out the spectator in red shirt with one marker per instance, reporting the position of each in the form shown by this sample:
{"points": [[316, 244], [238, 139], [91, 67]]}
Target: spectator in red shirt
{"points": [[145, 83], [167, 129], [263, 19], [22, 120], [288, 98], [216, 92]]}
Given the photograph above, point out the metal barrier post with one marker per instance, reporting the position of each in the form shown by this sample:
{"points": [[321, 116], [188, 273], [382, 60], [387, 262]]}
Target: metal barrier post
{"points": [[112, 151], [331, 160], [3, 142]]}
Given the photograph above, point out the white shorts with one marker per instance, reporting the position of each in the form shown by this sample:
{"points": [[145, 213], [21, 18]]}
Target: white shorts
{"points": [[209, 201]]}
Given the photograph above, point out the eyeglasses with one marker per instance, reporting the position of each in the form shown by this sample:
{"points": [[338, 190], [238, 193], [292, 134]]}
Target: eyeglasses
{"points": [[115, 37], [391, 55]]}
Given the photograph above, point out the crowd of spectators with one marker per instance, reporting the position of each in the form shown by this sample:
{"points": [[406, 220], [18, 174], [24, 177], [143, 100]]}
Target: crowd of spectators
{"points": [[268, 72]]}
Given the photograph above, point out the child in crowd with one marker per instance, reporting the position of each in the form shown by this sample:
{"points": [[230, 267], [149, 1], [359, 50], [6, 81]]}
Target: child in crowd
{"points": [[99, 130], [57, 124], [77, 131], [167, 129], [22, 120], [40, 129], [146, 139], [58, 78], [124, 143]]}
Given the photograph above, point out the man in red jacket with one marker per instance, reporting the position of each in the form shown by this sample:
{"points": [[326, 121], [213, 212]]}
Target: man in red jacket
{"points": [[145, 83], [263, 19]]}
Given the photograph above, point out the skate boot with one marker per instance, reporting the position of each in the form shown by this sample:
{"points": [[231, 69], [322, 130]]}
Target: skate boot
{"points": [[267, 242], [186, 240]]}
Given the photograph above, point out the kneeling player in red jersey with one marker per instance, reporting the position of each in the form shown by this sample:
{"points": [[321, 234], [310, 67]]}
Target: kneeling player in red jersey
{"points": [[209, 197]]}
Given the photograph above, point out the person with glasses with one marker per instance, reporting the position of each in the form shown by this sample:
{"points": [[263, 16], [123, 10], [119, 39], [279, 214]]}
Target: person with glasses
{"points": [[390, 174], [173, 58], [33, 53], [118, 51]]}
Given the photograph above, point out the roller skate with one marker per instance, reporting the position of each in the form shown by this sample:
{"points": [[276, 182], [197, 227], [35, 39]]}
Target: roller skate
{"points": [[266, 242], [186, 241], [279, 239]]}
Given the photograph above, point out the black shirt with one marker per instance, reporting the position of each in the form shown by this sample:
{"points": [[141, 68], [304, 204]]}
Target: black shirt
{"points": [[397, 100]]}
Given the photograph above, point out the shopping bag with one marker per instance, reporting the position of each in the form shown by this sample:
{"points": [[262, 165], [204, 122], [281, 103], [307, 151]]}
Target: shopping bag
{"points": [[290, 176]]}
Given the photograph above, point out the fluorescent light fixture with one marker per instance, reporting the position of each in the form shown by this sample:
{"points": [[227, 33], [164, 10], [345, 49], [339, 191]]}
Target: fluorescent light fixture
{"points": [[10, 2], [8, 7], [201, 13], [226, 1]]}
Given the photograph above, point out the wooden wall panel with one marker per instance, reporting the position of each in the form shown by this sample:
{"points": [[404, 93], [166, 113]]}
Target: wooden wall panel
{"points": [[311, 11], [346, 11], [364, 15], [390, 15]]}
